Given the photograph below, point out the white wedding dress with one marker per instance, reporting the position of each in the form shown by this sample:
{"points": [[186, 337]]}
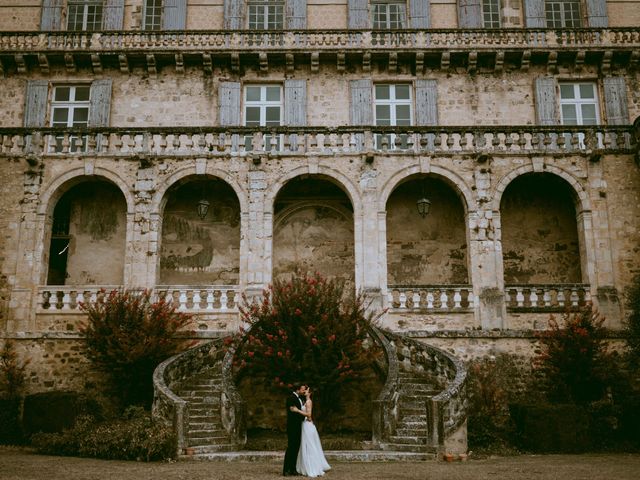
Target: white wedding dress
{"points": [[311, 461]]}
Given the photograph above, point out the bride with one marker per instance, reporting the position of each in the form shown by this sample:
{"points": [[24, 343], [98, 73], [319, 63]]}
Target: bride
{"points": [[311, 461]]}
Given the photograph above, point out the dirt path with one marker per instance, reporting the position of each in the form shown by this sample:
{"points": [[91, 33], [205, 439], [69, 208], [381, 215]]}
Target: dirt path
{"points": [[16, 464]]}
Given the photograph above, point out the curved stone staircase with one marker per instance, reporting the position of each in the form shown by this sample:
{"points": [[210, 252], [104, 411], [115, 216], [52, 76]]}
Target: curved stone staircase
{"points": [[421, 409]]}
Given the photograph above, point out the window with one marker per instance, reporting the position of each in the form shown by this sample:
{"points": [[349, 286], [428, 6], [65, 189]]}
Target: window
{"points": [[388, 15], [392, 107], [579, 104], [84, 15], [152, 18], [262, 108], [266, 15], [563, 13], [70, 108], [491, 13]]}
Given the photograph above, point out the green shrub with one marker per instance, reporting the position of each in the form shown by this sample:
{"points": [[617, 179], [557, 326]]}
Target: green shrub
{"points": [[308, 330], [136, 436], [52, 412], [127, 336], [11, 432], [12, 371]]}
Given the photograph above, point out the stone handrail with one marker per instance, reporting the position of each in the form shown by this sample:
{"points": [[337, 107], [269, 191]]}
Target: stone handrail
{"points": [[447, 411], [251, 141], [190, 299], [169, 407], [443, 298], [385, 406], [547, 297], [233, 407], [312, 40]]}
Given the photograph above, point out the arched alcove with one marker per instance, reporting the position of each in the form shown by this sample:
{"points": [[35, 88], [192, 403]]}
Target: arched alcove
{"points": [[429, 250], [540, 240], [313, 229], [200, 241], [88, 235]]}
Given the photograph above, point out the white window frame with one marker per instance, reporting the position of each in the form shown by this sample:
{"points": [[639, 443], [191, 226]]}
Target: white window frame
{"points": [[578, 102], [70, 105], [491, 14], [152, 15], [559, 15], [84, 8], [263, 104], [380, 8], [271, 11], [392, 102]]}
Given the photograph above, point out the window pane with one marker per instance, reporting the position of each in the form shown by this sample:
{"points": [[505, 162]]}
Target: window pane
{"points": [[382, 92], [569, 116], [80, 116], [62, 94], [567, 91], [60, 115], [589, 114], [273, 94], [273, 116], [383, 115], [402, 92], [253, 94], [403, 115], [586, 90], [82, 94], [252, 116]]}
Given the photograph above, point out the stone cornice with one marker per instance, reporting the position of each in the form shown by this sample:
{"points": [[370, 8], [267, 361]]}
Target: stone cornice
{"points": [[474, 50]]}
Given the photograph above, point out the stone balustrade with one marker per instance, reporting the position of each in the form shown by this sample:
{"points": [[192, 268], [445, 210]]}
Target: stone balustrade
{"points": [[444, 298], [312, 40], [557, 297], [316, 141], [67, 299]]}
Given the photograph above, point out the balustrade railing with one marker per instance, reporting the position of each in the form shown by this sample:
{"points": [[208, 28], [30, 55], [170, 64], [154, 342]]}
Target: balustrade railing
{"points": [[444, 298], [547, 297], [297, 40], [212, 141], [218, 298]]}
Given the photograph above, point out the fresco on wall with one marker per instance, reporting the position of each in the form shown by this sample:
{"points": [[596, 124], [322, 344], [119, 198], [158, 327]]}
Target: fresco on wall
{"points": [[539, 231], [313, 230], [96, 234], [197, 251], [430, 250]]}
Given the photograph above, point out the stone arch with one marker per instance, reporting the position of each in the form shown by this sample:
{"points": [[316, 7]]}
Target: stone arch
{"points": [[326, 173], [159, 198], [451, 178], [580, 195], [73, 177]]}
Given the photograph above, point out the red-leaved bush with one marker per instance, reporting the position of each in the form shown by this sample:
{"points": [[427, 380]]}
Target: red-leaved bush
{"points": [[126, 337]]}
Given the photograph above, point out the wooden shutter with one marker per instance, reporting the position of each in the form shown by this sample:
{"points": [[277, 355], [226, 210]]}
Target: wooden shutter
{"points": [[229, 104], [426, 102], [359, 14], [295, 103], [546, 110], [174, 15], [234, 14], [296, 14], [113, 15], [419, 13], [100, 103], [534, 14], [470, 14], [597, 13], [51, 15], [615, 101], [35, 104], [361, 102]]}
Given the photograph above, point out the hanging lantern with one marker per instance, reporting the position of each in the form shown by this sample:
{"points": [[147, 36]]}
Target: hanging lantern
{"points": [[203, 208], [423, 204]]}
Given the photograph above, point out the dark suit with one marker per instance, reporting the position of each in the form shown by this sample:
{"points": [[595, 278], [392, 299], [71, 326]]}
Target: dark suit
{"points": [[294, 432]]}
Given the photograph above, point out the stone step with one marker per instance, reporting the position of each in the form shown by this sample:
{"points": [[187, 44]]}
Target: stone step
{"points": [[412, 432], [200, 417], [199, 449], [414, 418], [206, 400], [411, 425], [196, 440], [203, 425], [406, 440], [204, 432], [402, 447], [331, 455]]}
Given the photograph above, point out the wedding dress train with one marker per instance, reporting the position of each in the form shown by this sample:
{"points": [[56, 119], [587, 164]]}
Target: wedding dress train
{"points": [[311, 461]]}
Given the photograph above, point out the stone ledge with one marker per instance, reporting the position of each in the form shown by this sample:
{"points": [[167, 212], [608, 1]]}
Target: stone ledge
{"points": [[331, 455]]}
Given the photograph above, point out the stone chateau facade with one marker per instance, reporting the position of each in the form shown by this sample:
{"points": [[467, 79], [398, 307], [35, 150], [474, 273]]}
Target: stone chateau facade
{"points": [[202, 149]]}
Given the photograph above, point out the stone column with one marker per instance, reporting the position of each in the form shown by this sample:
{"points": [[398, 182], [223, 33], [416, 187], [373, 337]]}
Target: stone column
{"points": [[370, 247], [257, 237], [141, 259]]}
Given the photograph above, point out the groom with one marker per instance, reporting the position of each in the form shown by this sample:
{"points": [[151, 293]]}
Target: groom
{"points": [[294, 429]]}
